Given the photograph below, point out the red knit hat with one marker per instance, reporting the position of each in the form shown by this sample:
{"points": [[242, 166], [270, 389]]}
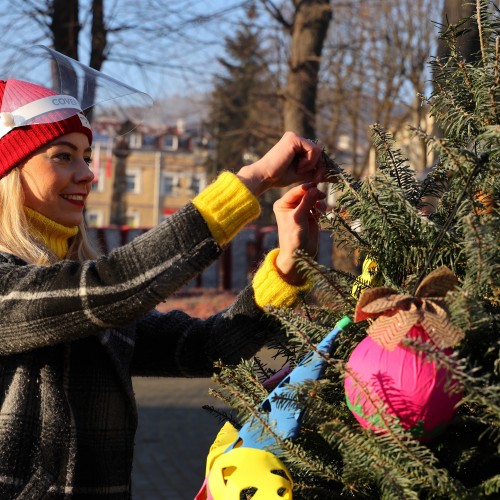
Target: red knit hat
{"points": [[18, 143]]}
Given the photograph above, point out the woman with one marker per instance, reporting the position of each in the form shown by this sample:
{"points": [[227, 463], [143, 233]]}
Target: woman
{"points": [[75, 328]]}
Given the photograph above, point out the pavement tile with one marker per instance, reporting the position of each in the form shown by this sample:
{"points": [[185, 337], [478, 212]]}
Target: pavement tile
{"points": [[173, 437]]}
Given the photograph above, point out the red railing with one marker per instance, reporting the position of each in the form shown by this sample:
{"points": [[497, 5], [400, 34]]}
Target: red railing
{"points": [[235, 266]]}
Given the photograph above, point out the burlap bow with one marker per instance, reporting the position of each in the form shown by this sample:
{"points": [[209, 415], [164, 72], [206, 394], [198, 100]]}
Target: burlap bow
{"points": [[396, 314]]}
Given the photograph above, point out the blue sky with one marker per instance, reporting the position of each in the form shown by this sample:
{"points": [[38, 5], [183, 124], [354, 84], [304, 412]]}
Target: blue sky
{"points": [[186, 62]]}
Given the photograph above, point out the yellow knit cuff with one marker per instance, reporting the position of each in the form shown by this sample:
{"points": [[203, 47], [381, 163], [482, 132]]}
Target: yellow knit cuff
{"points": [[227, 205], [271, 289]]}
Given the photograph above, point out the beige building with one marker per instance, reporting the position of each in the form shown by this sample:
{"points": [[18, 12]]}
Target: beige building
{"points": [[163, 172]]}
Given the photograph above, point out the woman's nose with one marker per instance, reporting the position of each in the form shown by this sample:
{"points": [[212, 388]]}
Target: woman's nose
{"points": [[85, 173]]}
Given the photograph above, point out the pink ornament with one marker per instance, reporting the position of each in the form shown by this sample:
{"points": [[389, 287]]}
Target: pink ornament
{"points": [[405, 381]]}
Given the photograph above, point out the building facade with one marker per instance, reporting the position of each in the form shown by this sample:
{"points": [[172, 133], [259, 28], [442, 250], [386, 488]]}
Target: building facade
{"points": [[163, 171]]}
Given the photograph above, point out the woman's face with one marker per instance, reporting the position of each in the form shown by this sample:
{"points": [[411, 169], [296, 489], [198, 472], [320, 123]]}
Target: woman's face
{"points": [[57, 179]]}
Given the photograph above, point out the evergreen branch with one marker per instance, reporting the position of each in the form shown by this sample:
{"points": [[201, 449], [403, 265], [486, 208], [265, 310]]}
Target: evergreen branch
{"points": [[477, 389], [242, 376], [463, 68], [456, 112], [335, 171], [383, 139], [306, 262], [265, 373], [494, 88], [375, 455], [398, 166], [384, 449], [478, 251], [380, 216], [480, 31], [483, 248], [293, 322], [398, 234], [396, 435], [296, 329], [495, 64], [221, 415], [221, 397], [490, 486], [348, 227], [448, 223], [293, 450]]}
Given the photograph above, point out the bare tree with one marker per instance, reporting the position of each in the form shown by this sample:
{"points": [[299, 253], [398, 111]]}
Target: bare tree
{"points": [[374, 66], [146, 35], [306, 21]]}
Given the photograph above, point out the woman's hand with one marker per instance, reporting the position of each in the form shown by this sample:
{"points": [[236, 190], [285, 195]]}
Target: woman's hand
{"points": [[298, 229], [293, 159]]}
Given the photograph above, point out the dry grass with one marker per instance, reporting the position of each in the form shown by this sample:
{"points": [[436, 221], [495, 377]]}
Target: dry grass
{"points": [[200, 303]]}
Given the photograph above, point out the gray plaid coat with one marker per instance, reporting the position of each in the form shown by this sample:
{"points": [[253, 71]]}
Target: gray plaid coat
{"points": [[71, 337]]}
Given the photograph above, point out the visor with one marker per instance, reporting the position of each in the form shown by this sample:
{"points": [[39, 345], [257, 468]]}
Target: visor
{"points": [[73, 88]]}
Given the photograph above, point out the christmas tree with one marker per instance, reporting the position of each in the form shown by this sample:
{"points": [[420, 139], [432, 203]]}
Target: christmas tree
{"points": [[429, 299]]}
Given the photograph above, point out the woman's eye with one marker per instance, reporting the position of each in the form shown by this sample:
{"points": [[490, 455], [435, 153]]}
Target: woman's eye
{"points": [[88, 160], [63, 156]]}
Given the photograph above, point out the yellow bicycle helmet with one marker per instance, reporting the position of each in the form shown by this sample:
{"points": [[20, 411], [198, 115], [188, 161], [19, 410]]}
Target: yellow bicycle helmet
{"points": [[252, 471]]}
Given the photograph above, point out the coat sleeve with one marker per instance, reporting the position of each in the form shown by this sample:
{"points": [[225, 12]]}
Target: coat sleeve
{"points": [[176, 344], [42, 306]]}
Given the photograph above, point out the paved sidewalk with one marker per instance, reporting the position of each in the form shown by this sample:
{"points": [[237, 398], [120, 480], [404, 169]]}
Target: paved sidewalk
{"points": [[173, 437]]}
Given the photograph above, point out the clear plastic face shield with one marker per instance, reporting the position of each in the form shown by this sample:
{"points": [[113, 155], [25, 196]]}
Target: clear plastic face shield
{"points": [[73, 88]]}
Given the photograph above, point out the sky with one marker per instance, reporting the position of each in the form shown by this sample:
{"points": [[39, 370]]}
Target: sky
{"points": [[184, 55], [178, 66]]}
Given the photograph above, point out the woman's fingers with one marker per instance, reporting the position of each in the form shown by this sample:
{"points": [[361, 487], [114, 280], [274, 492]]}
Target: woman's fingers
{"points": [[307, 193]]}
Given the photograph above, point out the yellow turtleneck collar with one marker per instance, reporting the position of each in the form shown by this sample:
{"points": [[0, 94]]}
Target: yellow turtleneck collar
{"points": [[53, 235]]}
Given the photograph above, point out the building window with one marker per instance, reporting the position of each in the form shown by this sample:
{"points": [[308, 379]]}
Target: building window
{"points": [[135, 140], [133, 180], [149, 140], [198, 182], [93, 218], [132, 219], [98, 167], [98, 182], [170, 143], [195, 185], [169, 183]]}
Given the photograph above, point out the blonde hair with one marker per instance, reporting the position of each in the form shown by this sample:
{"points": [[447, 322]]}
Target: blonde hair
{"points": [[15, 237]]}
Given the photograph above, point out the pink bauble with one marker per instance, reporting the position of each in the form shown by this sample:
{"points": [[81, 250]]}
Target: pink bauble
{"points": [[411, 387]]}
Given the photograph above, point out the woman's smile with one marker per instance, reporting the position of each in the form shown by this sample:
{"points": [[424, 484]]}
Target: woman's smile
{"points": [[75, 199], [57, 179]]}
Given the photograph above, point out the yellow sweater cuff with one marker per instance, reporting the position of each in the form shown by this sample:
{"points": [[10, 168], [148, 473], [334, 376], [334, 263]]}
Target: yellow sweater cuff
{"points": [[271, 289], [227, 205]]}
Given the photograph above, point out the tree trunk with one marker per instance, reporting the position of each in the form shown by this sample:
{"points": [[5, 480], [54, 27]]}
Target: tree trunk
{"points": [[99, 35], [308, 31], [118, 202], [65, 27], [468, 43], [118, 213], [98, 43]]}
